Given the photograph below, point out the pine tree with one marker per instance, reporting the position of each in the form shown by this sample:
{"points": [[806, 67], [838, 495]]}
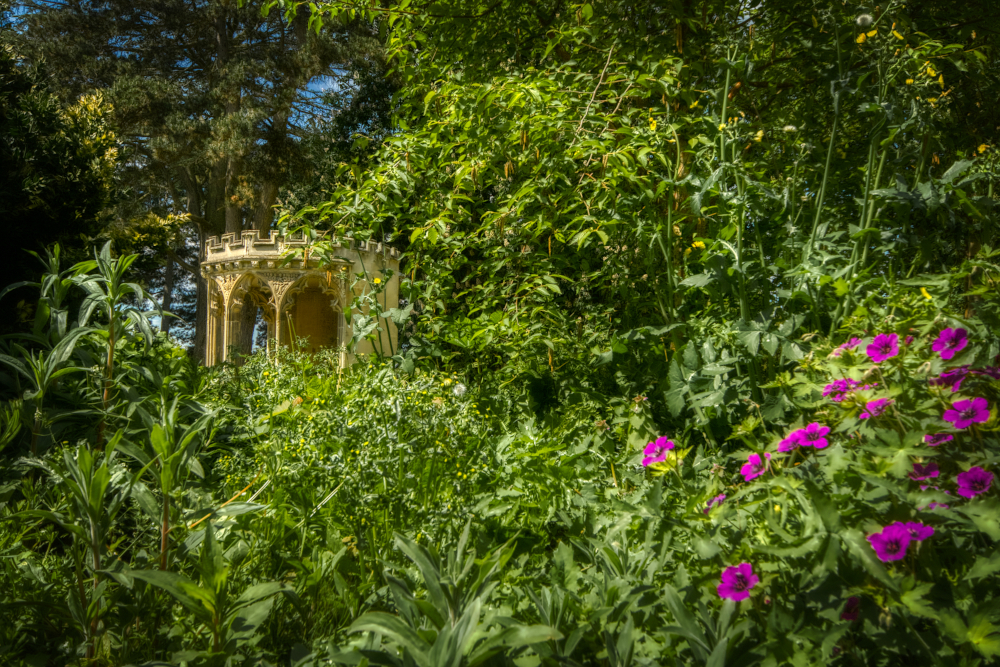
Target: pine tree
{"points": [[212, 100]]}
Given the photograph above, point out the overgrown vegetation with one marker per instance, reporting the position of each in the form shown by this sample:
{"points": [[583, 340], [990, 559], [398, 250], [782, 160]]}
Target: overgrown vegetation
{"points": [[700, 365]]}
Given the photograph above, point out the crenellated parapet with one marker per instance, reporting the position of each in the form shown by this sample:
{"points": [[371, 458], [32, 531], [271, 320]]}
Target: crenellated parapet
{"points": [[249, 250]]}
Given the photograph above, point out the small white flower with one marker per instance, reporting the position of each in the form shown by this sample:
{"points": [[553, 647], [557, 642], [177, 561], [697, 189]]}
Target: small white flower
{"points": [[864, 20], [789, 129], [459, 389]]}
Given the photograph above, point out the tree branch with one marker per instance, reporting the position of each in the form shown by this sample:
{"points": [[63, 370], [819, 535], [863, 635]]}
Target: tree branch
{"points": [[181, 263], [594, 94]]}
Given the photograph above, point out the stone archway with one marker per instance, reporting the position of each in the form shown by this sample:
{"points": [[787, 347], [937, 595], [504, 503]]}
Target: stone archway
{"points": [[248, 292], [313, 312]]}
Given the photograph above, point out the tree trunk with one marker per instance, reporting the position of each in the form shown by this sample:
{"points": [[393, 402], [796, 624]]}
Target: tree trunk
{"points": [[201, 309], [248, 320], [264, 212], [168, 293]]}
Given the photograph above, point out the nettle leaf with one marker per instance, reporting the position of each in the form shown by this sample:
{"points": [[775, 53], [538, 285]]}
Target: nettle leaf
{"points": [[698, 280]]}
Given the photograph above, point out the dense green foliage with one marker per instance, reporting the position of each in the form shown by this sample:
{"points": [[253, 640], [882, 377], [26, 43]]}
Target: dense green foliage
{"points": [[57, 165], [698, 366], [371, 490]]}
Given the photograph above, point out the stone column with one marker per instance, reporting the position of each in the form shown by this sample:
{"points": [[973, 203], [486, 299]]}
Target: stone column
{"points": [[279, 282], [211, 327], [226, 283]]}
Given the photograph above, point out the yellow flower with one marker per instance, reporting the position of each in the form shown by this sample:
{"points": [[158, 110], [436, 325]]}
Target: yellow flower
{"points": [[927, 295], [652, 125], [941, 80], [759, 136], [688, 251], [909, 82], [861, 38], [777, 508], [896, 35], [378, 281], [698, 244], [693, 104], [722, 126], [931, 71], [872, 33], [982, 148]]}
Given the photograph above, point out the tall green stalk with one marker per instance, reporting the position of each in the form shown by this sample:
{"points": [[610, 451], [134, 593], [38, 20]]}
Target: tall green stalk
{"points": [[829, 155]]}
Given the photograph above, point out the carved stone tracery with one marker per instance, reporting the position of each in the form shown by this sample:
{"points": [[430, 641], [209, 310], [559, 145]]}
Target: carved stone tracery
{"points": [[226, 283]]}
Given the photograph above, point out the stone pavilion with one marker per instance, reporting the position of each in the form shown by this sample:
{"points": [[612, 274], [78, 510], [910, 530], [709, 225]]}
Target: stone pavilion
{"points": [[301, 298]]}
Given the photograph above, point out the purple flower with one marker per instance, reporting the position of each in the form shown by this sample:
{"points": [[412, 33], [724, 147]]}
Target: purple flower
{"points": [[934, 506], [813, 435], [965, 413], [952, 378], [792, 442], [938, 439], [922, 472], [918, 531], [974, 481], [950, 341], [715, 501], [908, 340], [991, 371], [754, 467], [737, 582], [891, 543], [851, 609], [883, 347], [851, 344], [657, 451], [875, 408], [838, 389]]}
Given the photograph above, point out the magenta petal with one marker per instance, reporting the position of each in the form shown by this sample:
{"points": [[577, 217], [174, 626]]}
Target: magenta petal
{"points": [[737, 582], [851, 609], [950, 341], [754, 467], [891, 543], [973, 482], [882, 347], [919, 531]]}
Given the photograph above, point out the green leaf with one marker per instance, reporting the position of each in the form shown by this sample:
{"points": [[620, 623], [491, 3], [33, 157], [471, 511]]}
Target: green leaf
{"points": [[985, 566], [247, 620], [180, 587], [687, 625], [914, 601], [698, 280], [395, 629], [859, 547]]}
